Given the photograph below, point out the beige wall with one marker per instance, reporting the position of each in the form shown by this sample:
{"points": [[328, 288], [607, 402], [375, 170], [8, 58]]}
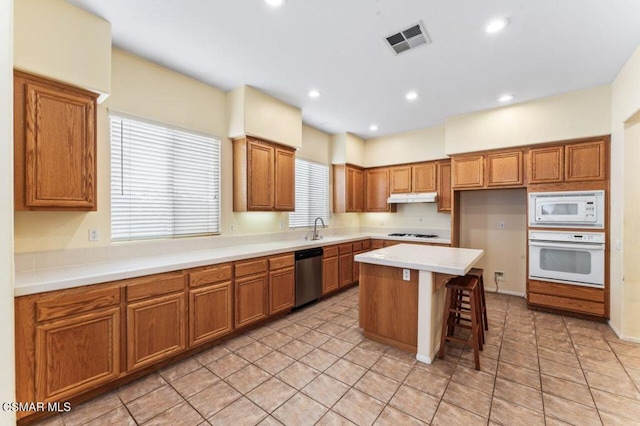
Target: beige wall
{"points": [[411, 217], [625, 277], [573, 115], [7, 361], [57, 40], [408, 147], [316, 145], [504, 249], [355, 147], [257, 114]]}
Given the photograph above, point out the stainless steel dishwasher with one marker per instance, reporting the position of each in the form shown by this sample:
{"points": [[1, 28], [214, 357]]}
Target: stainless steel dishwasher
{"points": [[308, 275]]}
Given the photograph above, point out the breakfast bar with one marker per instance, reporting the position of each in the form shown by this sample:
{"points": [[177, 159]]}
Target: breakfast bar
{"points": [[402, 293]]}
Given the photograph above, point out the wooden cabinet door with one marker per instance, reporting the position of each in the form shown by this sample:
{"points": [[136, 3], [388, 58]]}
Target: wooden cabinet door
{"points": [[444, 187], [377, 190], [355, 190], [424, 177], [285, 191], [76, 354], [400, 179], [505, 169], [55, 144], [282, 284], [585, 161], [546, 165], [330, 276], [251, 299], [345, 269], [155, 330], [468, 172], [355, 268], [260, 175], [210, 312]]}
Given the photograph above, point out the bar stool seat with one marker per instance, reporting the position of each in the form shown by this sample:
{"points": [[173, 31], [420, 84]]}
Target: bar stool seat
{"points": [[456, 311], [478, 273]]}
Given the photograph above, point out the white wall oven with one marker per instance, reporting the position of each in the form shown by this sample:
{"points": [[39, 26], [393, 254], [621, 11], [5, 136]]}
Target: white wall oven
{"points": [[567, 257], [569, 209]]}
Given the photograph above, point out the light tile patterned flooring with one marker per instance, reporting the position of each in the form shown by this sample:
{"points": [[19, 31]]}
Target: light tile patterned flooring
{"points": [[315, 367]]}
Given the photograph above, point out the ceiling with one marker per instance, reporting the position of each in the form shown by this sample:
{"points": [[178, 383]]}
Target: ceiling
{"points": [[338, 47]]}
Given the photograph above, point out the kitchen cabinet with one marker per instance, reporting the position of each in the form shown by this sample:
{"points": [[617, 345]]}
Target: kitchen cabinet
{"points": [[282, 283], [444, 186], [377, 190], [585, 161], [251, 292], [263, 176], [54, 145], [546, 165], [348, 188], [357, 248], [468, 171], [156, 318], [210, 303], [330, 269], [413, 178], [505, 168], [345, 265], [574, 298]]}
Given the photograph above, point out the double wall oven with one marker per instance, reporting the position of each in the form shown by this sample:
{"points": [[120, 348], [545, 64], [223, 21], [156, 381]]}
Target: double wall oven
{"points": [[567, 256]]}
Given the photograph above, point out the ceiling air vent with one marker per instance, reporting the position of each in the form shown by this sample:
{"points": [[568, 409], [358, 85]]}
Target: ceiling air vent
{"points": [[410, 38]]}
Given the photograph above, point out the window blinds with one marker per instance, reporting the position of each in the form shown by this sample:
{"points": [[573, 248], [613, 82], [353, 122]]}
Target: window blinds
{"points": [[312, 194], [164, 182]]}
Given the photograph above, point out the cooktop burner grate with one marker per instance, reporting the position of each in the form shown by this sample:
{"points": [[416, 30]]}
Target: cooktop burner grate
{"points": [[413, 235]]}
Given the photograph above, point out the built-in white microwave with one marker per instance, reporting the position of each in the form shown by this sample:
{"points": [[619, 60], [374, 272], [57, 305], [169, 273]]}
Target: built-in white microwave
{"points": [[570, 209]]}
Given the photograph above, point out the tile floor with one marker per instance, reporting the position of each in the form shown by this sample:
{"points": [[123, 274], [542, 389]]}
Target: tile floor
{"points": [[315, 367]]}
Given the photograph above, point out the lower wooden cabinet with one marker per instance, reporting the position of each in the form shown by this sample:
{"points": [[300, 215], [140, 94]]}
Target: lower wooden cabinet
{"points": [[346, 269], [155, 329], [251, 299], [579, 299], [282, 288], [211, 312], [330, 277], [76, 354]]}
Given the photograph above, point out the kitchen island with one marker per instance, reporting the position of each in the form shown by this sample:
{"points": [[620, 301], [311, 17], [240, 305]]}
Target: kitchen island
{"points": [[402, 293]]}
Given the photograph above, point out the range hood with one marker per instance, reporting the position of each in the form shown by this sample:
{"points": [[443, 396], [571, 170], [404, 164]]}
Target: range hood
{"points": [[415, 197]]}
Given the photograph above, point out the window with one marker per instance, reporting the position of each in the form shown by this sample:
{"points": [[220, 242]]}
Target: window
{"points": [[312, 194], [164, 182]]}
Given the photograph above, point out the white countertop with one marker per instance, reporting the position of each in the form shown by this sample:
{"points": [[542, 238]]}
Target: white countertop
{"points": [[445, 260], [58, 278]]}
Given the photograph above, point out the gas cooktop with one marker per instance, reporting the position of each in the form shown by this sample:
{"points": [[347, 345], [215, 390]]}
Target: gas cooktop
{"points": [[414, 235]]}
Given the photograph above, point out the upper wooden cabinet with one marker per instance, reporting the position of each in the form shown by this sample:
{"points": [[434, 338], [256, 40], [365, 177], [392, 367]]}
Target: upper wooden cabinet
{"points": [[263, 176], [505, 168], [444, 186], [348, 188], [575, 162], [413, 178], [377, 190], [468, 171], [54, 145]]}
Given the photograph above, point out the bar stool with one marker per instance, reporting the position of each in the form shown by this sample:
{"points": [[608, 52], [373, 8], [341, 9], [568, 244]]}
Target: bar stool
{"points": [[478, 272], [455, 313]]}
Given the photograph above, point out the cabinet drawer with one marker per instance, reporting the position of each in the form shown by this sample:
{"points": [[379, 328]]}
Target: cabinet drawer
{"points": [[344, 248], [251, 267], [76, 301], [281, 262], [377, 244], [366, 244], [210, 275], [575, 305], [154, 285], [357, 246], [330, 252], [567, 290]]}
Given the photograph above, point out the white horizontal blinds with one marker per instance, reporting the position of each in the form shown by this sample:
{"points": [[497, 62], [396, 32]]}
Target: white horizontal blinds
{"points": [[164, 182], [312, 194]]}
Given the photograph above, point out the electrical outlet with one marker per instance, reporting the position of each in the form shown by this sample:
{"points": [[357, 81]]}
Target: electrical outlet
{"points": [[94, 235], [499, 275], [232, 228], [406, 274], [501, 225]]}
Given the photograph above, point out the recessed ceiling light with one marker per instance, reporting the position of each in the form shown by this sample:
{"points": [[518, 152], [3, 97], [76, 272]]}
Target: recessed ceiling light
{"points": [[496, 25], [275, 3], [373, 127], [411, 96], [314, 94], [505, 98]]}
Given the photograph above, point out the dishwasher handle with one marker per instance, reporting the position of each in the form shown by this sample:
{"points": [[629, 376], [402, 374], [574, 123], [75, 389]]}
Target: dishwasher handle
{"points": [[305, 254]]}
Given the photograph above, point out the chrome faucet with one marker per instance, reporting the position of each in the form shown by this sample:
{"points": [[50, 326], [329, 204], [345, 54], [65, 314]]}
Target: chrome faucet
{"points": [[316, 236]]}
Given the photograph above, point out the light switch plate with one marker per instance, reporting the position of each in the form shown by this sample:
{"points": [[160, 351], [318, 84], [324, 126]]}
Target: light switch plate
{"points": [[406, 274]]}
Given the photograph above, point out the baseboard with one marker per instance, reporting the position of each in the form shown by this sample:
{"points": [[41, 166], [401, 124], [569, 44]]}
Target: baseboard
{"points": [[507, 292], [429, 359], [622, 336]]}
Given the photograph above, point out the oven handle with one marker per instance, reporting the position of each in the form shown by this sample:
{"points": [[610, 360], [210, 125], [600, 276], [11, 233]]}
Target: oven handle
{"points": [[568, 246]]}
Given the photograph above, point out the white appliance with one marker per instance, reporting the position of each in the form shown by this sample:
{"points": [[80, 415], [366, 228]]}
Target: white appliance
{"points": [[567, 257], [414, 197], [570, 209]]}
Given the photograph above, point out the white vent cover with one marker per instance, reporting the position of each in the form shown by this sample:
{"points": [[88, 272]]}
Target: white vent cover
{"points": [[410, 38]]}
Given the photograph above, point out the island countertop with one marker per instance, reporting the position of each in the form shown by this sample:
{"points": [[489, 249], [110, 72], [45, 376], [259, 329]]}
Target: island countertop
{"points": [[444, 260]]}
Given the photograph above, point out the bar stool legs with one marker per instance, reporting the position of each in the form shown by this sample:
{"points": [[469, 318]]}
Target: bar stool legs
{"points": [[478, 273]]}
